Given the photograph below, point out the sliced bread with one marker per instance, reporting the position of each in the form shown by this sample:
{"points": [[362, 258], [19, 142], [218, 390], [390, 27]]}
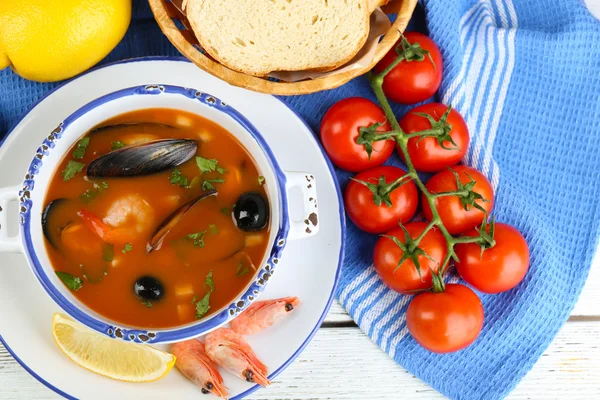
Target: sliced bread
{"points": [[260, 36]]}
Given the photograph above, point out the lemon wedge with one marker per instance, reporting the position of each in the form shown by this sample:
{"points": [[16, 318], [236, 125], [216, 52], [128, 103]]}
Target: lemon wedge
{"points": [[112, 358]]}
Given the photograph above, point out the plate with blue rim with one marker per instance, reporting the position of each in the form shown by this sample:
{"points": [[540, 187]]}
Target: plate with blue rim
{"points": [[309, 269]]}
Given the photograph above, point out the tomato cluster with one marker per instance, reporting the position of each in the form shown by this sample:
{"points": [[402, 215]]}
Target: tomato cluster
{"points": [[412, 257]]}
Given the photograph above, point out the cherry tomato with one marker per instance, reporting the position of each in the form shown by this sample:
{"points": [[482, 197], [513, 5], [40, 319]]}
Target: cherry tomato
{"points": [[447, 321], [377, 208], [499, 268], [454, 216], [340, 129], [405, 278], [426, 153], [412, 82]]}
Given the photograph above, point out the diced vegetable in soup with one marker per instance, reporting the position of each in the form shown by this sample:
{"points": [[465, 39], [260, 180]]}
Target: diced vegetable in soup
{"points": [[154, 223]]}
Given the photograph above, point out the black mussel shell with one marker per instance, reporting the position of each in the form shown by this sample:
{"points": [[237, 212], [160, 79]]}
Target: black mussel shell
{"points": [[251, 212], [163, 230], [52, 225], [148, 288], [143, 159]]}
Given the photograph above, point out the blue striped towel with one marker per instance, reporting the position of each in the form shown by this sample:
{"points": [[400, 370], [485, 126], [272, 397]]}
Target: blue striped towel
{"points": [[526, 75]]}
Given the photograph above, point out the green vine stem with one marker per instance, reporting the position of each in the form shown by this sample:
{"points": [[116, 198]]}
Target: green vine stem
{"points": [[402, 138]]}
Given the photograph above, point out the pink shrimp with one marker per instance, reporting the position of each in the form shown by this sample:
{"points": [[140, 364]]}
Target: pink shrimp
{"points": [[263, 314], [193, 362], [229, 350]]}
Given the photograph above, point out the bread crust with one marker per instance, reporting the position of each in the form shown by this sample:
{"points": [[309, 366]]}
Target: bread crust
{"points": [[366, 5]]}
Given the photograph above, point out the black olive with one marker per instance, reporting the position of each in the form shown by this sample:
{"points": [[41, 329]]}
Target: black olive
{"points": [[148, 288], [251, 212]]}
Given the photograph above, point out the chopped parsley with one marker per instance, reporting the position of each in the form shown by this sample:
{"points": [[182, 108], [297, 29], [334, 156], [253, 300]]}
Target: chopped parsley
{"points": [[89, 194], [241, 270], [72, 168], [147, 303], [203, 306], [197, 238], [117, 145], [221, 170], [261, 180], [79, 151], [213, 229], [209, 281], [178, 179], [194, 300], [128, 247], [208, 183], [72, 282], [207, 165], [225, 211], [108, 253]]}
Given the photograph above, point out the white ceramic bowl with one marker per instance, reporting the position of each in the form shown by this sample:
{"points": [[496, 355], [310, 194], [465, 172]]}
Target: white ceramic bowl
{"points": [[31, 195]]}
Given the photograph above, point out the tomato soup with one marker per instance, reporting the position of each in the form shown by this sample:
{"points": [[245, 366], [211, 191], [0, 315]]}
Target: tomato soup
{"points": [[156, 218]]}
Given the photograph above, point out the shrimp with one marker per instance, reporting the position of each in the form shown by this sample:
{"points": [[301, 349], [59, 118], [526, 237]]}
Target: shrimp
{"points": [[193, 362], [126, 218], [229, 350], [263, 314]]}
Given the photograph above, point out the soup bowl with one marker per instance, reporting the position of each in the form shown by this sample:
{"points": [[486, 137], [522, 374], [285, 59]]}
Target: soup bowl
{"points": [[30, 195]]}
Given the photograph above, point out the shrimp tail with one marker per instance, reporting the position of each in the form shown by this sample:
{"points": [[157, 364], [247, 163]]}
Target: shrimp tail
{"points": [[102, 230], [95, 224]]}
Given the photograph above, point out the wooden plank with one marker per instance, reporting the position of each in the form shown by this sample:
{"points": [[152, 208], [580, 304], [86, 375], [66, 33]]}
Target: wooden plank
{"points": [[342, 363]]}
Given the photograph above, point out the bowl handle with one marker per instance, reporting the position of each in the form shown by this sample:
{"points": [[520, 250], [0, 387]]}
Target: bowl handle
{"points": [[309, 224], [8, 244]]}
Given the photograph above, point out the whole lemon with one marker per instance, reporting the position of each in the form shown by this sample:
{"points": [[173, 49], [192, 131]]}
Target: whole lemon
{"points": [[51, 40]]}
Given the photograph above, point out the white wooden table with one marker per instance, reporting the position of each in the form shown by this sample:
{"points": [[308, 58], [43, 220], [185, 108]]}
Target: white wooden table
{"points": [[342, 363]]}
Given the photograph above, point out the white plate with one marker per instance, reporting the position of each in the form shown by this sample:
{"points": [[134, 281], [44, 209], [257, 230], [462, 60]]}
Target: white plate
{"points": [[309, 268]]}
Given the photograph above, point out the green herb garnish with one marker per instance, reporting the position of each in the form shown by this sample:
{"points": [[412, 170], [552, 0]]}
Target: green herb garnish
{"points": [[225, 211], [178, 179], [203, 306], [128, 247], [261, 180], [89, 194], [213, 229], [117, 145], [197, 238], [241, 270], [72, 282], [108, 253], [209, 281], [206, 165], [208, 183], [194, 300], [72, 168], [147, 303], [79, 151], [221, 170]]}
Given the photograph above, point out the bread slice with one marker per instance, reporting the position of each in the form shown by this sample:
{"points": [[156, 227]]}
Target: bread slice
{"points": [[260, 36]]}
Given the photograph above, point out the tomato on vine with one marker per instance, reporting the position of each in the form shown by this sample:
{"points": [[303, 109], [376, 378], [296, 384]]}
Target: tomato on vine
{"points": [[497, 265], [418, 76], [444, 137], [445, 321], [404, 266], [464, 212], [378, 198], [346, 134]]}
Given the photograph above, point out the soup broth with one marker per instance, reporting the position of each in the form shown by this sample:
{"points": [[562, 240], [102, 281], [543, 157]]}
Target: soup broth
{"points": [[103, 232]]}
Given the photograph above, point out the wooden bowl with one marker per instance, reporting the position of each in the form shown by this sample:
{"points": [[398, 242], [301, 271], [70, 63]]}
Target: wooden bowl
{"points": [[166, 12]]}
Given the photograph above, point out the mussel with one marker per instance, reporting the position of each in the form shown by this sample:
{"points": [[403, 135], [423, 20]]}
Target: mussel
{"points": [[251, 212], [163, 230], [143, 159], [54, 221]]}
